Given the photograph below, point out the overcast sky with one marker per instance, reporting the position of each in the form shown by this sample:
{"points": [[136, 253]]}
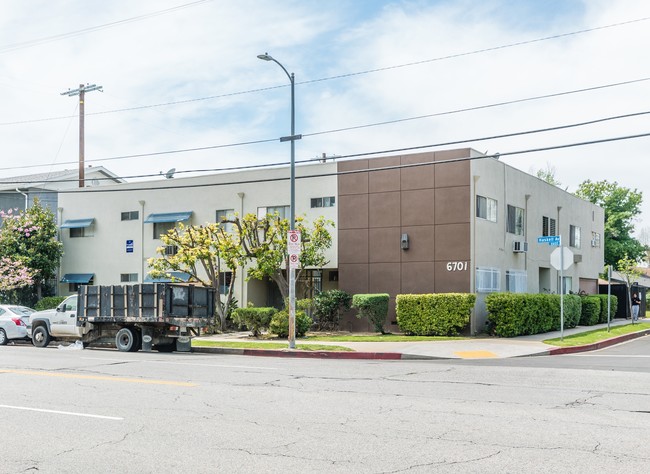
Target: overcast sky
{"points": [[181, 74]]}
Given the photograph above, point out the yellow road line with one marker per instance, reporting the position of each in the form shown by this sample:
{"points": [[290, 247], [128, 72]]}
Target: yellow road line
{"points": [[97, 377], [476, 354]]}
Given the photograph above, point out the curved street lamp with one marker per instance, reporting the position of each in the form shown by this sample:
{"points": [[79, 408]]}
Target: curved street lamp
{"points": [[292, 208]]}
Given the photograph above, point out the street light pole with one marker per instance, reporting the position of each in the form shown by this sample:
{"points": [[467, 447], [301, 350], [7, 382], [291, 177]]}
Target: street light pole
{"points": [[292, 209]]}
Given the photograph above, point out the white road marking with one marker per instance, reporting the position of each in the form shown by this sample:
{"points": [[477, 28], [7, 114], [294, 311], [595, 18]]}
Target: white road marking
{"points": [[166, 362], [58, 412]]}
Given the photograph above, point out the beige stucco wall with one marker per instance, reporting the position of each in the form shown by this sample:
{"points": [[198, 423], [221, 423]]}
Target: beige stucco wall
{"points": [[104, 254]]}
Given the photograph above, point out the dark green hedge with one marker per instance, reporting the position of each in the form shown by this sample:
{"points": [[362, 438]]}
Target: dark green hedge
{"points": [[51, 302], [373, 307], [603, 307], [516, 314], [254, 319], [280, 323], [590, 310], [444, 314]]}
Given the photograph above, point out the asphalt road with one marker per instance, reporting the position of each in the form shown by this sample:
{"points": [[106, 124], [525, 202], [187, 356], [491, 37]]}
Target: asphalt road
{"points": [[105, 411]]}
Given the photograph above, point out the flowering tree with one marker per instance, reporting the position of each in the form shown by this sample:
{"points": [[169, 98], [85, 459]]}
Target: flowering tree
{"points": [[14, 274], [205, 252], [30, 237]]}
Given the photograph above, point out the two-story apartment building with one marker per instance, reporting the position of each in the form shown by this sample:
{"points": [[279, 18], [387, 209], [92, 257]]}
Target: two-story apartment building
{"points": [[449, 221]]}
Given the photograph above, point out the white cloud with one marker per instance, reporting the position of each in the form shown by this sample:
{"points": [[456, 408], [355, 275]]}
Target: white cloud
{"points": [[210, 50]]}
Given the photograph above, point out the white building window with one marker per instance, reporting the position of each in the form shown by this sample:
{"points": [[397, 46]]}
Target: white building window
{"points": [[574, 236], [567, 285], [595, 239], [225, 214], [548, 226], [515, 220], [282, 211], [130, 216], [160, 228], [487, 279], [486, 208], [516, 281], [327, 201], [128, 277]]}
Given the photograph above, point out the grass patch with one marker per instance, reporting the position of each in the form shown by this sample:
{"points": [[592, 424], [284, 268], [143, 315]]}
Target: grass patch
{"points": [[267, 345], [596, 335], [379, 338]]}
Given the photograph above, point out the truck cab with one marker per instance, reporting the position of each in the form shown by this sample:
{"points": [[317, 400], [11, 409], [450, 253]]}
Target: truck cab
{"points": [[60, 322]]}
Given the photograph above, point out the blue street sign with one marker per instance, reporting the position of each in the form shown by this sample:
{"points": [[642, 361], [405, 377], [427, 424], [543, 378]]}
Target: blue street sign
{"points": [[129, 246], [553, 240]]}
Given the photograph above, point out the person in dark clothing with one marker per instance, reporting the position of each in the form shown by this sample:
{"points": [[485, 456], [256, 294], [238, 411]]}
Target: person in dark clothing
{"points": [[636, 303]]}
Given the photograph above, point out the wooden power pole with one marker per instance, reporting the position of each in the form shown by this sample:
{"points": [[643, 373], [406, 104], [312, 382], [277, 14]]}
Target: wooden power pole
{"points": [[81, 93]]}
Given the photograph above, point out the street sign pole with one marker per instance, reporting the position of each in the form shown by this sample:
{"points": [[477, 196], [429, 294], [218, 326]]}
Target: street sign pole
{"points": [[609, 295], [561, 291]]}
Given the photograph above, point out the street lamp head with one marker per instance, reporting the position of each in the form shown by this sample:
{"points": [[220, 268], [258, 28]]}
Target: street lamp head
{"points": [[265, 57]]}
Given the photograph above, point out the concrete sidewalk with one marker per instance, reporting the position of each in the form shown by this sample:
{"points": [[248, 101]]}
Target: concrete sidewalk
{"points": [[473, 348]]}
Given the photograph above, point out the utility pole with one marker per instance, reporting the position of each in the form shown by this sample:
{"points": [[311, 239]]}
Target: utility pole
{"points": [[81, 93]]}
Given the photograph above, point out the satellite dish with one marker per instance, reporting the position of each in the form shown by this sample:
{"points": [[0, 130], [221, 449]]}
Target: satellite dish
{"points": [[170, 173]]}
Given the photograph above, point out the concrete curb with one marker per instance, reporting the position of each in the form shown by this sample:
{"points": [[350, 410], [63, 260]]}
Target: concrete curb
{"points": [[301, 354], [599, 345]]}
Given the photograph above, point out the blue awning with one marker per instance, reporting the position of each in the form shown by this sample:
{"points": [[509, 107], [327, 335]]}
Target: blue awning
{"points": [[77, 278], [168, 217], [177, 276], [77, 223]]}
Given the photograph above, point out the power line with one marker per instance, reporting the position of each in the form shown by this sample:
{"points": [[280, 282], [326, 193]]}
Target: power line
{"points": [[385, 168], [47, 39], [340, 76], [394, 150]]}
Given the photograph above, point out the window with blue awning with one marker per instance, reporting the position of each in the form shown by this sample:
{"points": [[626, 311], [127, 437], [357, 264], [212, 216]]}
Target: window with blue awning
{"points": [[168, 217], [82, 278], [77, 223]]}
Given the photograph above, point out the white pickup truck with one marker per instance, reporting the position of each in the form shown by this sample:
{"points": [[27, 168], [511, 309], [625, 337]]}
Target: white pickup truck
{"points": [[161, 316]]}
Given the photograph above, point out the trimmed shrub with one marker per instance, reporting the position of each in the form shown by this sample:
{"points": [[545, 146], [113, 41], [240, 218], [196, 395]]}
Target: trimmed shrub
{"points": [[603, 307], [280, 323], [327, 309], [444, 314], [516, 314], [590, 310], [373, 307], [49, 302], [254, 319]]}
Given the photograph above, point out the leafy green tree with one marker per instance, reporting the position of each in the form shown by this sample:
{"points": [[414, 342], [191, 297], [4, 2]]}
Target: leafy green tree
{"points": [[30, 236], [205, 252], [630, 271], [622, 205], [14, 274], [264, 242], [548, 175]]}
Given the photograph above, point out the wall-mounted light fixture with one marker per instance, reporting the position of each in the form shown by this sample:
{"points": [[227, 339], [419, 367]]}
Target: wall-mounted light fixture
{"points": [[404, 242]]}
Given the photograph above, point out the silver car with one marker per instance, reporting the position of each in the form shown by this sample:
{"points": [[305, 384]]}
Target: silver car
{"points": [[13, 322]]}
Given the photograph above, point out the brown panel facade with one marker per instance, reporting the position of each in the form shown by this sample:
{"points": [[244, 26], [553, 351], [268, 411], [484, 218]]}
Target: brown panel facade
{"points": [[384, 245], [384, 209], [384, 181], [418, 207], [418, 277], [418, 177], [353, 211], [383, 278], [454, 173], [355, 183], [353, 277], [452, 205], [452, 281], [452, 243], [353, 246], [421, 244]]}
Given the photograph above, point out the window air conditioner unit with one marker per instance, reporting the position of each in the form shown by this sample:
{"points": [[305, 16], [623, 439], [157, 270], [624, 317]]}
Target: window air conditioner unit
{"points": [[519, 247]]}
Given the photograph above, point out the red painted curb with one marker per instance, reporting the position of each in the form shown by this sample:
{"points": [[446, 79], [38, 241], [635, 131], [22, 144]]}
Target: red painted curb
{"points": [[599, 345]]}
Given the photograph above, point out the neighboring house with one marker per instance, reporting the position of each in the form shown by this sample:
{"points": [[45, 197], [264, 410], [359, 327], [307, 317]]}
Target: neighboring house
{"points": [[18, 192], [436, 222], [618, 288]]}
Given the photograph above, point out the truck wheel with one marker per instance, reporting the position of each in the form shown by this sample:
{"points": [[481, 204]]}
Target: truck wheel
{"points": [[3, 337], [137, 341], [40, 337], [125, 339]]}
